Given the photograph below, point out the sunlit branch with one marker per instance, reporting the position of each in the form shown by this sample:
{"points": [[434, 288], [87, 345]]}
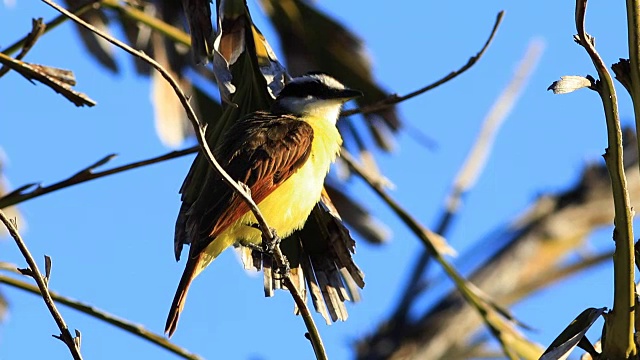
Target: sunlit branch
{"points": [[97, 313], [619, 342], [73, 343], [394, 99]]}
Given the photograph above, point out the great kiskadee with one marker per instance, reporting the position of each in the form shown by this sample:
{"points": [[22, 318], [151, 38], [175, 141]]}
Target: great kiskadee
{"points": [[283, 156]]}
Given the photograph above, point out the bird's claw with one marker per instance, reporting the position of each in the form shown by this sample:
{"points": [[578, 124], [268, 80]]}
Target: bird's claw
{"points": [[254, 247], [269, 245]]}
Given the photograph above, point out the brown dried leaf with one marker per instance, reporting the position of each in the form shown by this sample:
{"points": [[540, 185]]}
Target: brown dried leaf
{"points": [[57, 79]]}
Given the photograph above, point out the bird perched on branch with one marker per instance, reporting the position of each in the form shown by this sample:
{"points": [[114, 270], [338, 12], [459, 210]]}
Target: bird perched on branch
{"points": [[283, 156]]}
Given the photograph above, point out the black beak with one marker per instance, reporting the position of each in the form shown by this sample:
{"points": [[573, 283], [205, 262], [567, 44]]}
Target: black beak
{"points": [[347, 94]]}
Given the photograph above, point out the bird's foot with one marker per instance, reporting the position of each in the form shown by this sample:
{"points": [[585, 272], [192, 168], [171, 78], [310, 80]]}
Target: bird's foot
{"points": [[270, 244], [254, 247], [284, 268]]}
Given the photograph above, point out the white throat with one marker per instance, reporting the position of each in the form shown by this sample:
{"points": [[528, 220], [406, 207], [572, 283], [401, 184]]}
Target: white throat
{"points": [[326, 109]]}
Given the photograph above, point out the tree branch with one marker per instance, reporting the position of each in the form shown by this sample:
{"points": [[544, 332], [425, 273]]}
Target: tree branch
{"points": [[97, 313], [37, 29], [22, 194], [394, 99], [633, 34], [65, 335], [49, 26], [619, 341]]}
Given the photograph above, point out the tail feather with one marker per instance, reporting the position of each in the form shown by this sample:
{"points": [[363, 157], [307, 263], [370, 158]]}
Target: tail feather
{"points": [[181, 295]]}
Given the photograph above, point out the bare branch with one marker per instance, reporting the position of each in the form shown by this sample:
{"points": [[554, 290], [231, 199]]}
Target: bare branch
{"points": [[49, 26], [394, 99], [37, 29], [97, 313], [554, 274], [65, 334], [23, 194], [157, 24]]}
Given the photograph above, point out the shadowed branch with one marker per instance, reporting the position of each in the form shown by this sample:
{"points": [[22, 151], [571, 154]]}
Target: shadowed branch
{"points": [[33, 190]]}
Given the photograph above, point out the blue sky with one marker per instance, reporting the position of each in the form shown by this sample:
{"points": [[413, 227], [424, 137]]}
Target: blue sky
{"points": [[111, 239]]}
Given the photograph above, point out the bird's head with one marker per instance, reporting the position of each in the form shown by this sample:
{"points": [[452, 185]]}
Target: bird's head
{"points": [[314, 94]]}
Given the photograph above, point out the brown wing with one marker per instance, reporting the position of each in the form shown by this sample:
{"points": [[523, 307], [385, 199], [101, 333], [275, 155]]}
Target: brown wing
{"points": [[265, 150], [262, 151]]}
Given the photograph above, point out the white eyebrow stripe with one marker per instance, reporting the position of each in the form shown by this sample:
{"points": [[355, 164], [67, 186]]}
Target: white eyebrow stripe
{"points": [[324, 79]]}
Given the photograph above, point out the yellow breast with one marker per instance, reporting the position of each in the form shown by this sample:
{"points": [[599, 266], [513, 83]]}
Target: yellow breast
{"points": [[288, 207]]}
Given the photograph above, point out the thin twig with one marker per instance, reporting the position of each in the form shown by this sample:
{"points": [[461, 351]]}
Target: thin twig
{"points": [[37, 29], [34, 272], [97, 313], [314, 334], [619, 341], [394, 99], [471, 170], [316, 341], [50, 26], [84, 175]]}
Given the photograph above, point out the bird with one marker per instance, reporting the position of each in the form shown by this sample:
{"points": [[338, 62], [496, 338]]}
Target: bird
{"points": [[283, 156]]}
